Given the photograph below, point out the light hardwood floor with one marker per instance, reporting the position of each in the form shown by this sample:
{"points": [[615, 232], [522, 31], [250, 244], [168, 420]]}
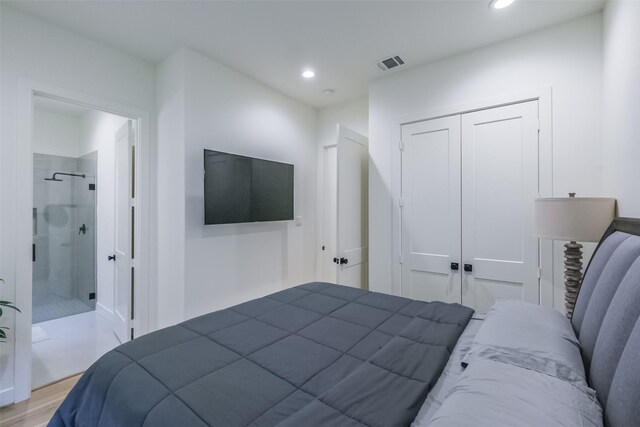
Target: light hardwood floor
{"points": [[38, 410]]}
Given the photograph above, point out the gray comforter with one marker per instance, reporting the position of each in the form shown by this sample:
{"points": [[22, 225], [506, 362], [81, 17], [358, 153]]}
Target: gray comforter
{"points": [[317, 354]]}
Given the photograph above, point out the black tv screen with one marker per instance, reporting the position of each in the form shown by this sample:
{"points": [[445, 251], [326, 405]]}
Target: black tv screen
{"points": [[244, 189]]}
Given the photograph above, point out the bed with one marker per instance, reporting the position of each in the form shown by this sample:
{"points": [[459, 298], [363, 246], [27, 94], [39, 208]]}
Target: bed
{"points": [[315, 354], [327, 355]]}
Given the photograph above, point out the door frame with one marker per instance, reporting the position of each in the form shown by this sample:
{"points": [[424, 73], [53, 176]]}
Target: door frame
{"points": [[27, 90], [545, 170]]}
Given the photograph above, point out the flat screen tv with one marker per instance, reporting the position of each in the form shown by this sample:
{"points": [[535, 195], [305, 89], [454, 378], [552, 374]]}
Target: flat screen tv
{"points": [[244, 189]]}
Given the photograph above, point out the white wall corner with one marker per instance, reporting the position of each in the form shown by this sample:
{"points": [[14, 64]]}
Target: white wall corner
{"points": [[170, 98], [621, 108]]}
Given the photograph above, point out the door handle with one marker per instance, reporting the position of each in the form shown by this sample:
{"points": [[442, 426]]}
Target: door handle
{"points": [[344, 261], [111, 258], [468, 268], [455, 266]]}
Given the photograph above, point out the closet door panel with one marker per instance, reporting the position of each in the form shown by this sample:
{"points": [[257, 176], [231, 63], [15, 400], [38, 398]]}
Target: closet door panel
{"points": [[499, 184], [431, 209]]}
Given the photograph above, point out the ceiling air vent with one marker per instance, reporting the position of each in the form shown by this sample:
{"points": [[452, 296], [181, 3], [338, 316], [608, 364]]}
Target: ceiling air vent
{"points": [[389, 63]]}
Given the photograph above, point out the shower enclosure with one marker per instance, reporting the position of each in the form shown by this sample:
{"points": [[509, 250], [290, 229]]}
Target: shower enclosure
{"points": [[64, 236]]}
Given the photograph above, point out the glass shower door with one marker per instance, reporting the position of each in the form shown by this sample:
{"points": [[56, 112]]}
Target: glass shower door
{"points": [[64, 236]]}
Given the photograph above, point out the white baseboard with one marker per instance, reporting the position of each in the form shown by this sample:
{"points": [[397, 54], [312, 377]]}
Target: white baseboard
{"points": [[104, 312], [6, 397]]}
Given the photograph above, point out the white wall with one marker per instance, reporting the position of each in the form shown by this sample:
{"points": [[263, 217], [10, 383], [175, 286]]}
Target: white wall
{"points": [[56, 134], [35, 50], [567, 58], [353, 114], [621, 122], [228, 111], [171, 188], [211, 106], [98, 130]]}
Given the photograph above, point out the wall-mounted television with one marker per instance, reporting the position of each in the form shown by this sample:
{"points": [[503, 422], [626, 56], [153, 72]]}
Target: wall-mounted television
{"points": [[245, 189]]}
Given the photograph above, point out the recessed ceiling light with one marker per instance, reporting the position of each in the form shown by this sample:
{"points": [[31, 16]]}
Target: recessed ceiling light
{"points": [[501, 4], [308, 74]]}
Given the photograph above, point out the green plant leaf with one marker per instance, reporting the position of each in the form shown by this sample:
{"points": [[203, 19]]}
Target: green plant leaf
{"points": [[8, 304]]}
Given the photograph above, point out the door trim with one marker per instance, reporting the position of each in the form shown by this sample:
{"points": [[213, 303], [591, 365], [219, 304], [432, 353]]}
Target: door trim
{"points": [[545, 139], [27, 89]]}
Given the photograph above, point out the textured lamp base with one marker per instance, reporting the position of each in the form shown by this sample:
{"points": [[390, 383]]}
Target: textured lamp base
{"points": [[572, 274]]}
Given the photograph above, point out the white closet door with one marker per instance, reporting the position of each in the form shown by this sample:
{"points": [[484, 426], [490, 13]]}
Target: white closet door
{"points": [[499, 185], [431, 210], [352, 224]]}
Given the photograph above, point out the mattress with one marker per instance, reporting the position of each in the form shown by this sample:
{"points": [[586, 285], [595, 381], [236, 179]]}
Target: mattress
{"points": [[317, 354]]}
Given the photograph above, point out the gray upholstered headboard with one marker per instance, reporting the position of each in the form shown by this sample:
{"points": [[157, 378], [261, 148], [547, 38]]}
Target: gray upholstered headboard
{"points": [[606, 321]]}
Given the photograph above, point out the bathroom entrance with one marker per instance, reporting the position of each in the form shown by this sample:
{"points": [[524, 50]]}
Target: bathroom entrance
{"points": [[74, 237]]}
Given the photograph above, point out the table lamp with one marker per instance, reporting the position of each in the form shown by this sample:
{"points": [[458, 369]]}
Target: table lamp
{"points": [[573, 219]]}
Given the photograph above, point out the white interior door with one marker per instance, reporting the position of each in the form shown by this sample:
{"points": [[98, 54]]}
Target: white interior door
{"points": [[430, 210], [499, 185], [352, 213], [124, 244], [330, 214]]}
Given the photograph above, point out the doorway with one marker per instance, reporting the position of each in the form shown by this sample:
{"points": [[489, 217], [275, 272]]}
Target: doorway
{"points": [[65, 272], [345, 210], [74, 320]]}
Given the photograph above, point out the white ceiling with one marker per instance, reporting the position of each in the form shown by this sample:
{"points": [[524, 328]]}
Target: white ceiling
{"points": [[273, 41]]}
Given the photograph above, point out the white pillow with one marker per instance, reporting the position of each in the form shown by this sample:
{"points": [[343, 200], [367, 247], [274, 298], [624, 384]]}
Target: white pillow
{"points": [[494, 394], [532, 337]]}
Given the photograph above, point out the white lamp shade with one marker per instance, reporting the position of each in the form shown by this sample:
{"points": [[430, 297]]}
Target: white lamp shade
{"points": [[580, 219]]}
